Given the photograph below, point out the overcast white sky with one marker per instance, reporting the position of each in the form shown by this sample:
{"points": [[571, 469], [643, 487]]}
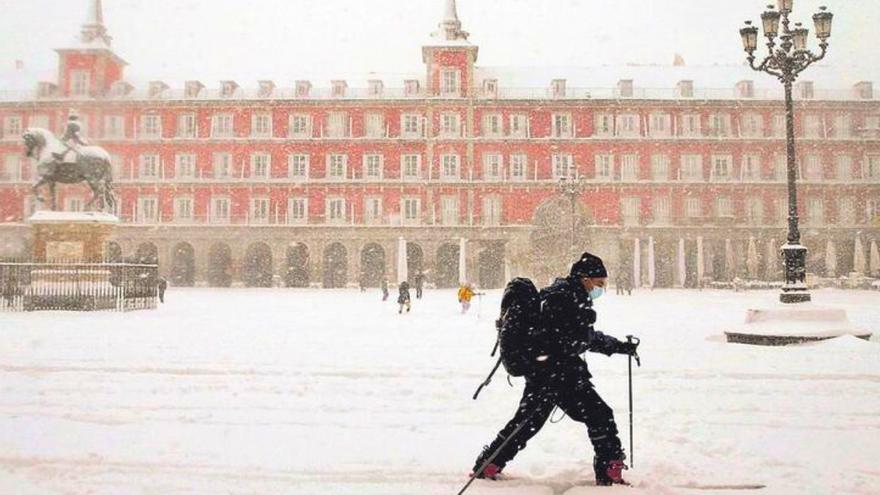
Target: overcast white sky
{"points": [[250, 39]]}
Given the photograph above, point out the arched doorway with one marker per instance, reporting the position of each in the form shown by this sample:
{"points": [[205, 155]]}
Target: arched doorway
{"points": [[220, 265], [414, 261], [335, 266], [183, 265], [256, 271], [491, 266], [372, 265], [147, 253], [297, 272], [447, 266], [113, 253], [551, 237]]}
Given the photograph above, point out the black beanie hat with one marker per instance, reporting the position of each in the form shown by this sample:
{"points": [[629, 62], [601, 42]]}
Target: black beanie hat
{"points": [[589, 266]]}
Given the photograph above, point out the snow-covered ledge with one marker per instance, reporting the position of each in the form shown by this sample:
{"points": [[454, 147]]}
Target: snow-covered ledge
{"points": [[784, 324], [45, 216]]}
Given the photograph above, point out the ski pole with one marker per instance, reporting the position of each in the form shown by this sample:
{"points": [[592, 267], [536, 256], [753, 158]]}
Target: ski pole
{"points": [[630, 339]]}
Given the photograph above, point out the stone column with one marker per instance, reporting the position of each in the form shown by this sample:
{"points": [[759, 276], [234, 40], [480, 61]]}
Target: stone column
{"points": [[462, 261], [637, 263]]}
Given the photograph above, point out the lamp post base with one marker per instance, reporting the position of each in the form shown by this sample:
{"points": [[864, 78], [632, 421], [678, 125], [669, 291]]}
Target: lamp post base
{"points": [[794, 259], [794, 296]]}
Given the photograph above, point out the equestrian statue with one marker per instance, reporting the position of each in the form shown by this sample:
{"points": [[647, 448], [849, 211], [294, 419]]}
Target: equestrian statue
{"points": [[70, 160]]}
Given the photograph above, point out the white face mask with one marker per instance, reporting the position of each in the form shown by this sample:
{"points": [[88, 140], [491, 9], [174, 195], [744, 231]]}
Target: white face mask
{"points": [[597, 292]]}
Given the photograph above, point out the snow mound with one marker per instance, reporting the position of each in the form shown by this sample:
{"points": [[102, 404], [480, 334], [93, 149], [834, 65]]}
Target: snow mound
{"points": [[72, 217], [798, 320]]}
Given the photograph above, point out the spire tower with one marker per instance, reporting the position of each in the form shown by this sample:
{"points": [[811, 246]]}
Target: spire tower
{"points": [[94, 28], [450, 27]]}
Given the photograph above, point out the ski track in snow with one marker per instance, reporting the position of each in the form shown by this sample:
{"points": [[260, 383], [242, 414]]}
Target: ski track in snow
{"points": [[333, 392]]}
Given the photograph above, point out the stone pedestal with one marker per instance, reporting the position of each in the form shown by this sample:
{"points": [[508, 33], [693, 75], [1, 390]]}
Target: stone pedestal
{"points": [[71, 236], [784, 324]]}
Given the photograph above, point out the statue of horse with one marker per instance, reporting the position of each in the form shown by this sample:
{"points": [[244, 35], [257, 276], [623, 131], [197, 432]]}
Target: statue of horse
{"points": [[92, 166]]}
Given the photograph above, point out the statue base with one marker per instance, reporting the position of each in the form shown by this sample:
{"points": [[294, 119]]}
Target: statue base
{"points": [[71, 236]]}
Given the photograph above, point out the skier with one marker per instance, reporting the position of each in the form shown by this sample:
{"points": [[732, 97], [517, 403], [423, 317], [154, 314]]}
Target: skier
{"points": [[562, 378], [465, 294], [71, 135], [403, 298], [384, 290], [420, 282]]}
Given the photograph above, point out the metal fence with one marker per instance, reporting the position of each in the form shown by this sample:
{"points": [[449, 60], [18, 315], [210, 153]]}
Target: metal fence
{"points": [[75, 286]]}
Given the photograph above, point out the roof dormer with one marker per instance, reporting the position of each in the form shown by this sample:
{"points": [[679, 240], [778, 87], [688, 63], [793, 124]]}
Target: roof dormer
{"points": [[228, 89], [411, 87], [338, 88], [804, 90], [376, 87], [557, 88], [685, 89], [625, 88], [193, 89], [121, 88], [303, 89], [864, 90], [266, 89], [745, 89], [156, 89], [47, 89]]}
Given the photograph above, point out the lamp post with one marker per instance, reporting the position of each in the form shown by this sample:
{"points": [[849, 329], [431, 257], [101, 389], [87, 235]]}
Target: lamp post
{"points": [[785, 61], [571, 187]]}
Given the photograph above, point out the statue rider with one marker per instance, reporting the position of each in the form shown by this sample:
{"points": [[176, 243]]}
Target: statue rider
{"points": [[72, 139]]}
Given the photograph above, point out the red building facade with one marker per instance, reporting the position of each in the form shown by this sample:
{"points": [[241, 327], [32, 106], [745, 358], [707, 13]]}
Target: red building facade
{"points": [[297, 185]]}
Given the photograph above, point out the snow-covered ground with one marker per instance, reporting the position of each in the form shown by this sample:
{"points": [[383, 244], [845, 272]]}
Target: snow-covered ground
{"points": [[332, 392]]}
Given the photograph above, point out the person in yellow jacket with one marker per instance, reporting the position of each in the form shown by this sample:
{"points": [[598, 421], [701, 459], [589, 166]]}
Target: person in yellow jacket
{"points": [[465, 294]]}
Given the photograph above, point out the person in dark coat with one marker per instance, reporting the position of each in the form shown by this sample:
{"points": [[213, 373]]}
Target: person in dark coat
{"points": [[162, 285], [562, 378], [420, 283], [384, 290], [403, 298]]}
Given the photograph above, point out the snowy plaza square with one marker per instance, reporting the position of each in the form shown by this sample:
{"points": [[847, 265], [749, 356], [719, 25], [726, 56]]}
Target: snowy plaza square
{"points": [[332, 392]]}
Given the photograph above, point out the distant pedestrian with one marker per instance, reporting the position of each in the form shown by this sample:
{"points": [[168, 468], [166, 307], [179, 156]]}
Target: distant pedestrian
{"points": [[465, 294], [162, 285], [628, 284], [384, 290], [362, 282], [618, 282], [403, 298], [420, 282]]}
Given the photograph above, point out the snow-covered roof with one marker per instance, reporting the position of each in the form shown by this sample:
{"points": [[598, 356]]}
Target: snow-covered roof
{"points": [[44, 216]]}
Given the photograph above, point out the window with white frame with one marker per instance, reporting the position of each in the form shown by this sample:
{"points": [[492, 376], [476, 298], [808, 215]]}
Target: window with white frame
{"points": [[690, 125], [628, 124], [411, 211], [337, 125], [40, 121], [261, 125], [449, 167], [605, 167], [298, 166], [492, 125], [187, 126], [31, 205], [872, 123], [661, 124], [722, 167], [449, 212], [872, 167], [812, 126], [661, 209], [751, 167], [260, 165], [842, 125], [519, 125], [373, 166], [148, 209], [374, 125], [724, 207], [222, 165], [562, 127], [337, 166], [872, 211], [846, 211], [183, 208], [693, 207], [843, 167], [220, 210], [299, 125], [373, 210], [780, 209], [629, 167], [297, 210], [563, 165], [604, 124], [815, 211], [149, 166], [450, 124], [813, 166], [11, 167], [114, 126], [411, 166], [185, 165], [719, 124], [630, 209], [752, 125], [492, 167], [221, 125], [780, 168], [450, 82], [151, 126], [518, 166], [259, 212], [660, 168], [691, 167], [335, 210], [73, 203], [80, 82], [755, 210], [491, 210], [116, 165], [411, 125], [779, 124]]}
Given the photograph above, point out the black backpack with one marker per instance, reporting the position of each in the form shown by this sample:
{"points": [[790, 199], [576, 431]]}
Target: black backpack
{"points": [[520, 330]]}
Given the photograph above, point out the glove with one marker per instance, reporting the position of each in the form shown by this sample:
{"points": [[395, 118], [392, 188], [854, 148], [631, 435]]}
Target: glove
{"points": [[628, 348]]}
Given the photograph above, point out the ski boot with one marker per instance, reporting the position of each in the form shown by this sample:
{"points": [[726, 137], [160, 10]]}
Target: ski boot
{"points": [[609, 472]]}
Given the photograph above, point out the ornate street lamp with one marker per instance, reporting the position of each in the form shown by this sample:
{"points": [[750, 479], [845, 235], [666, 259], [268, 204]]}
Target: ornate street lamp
{"points": [[572, 186], [785, 61]]}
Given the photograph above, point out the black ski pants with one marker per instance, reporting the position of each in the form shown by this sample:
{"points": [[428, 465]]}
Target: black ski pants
{"points": [[578, 399]]}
